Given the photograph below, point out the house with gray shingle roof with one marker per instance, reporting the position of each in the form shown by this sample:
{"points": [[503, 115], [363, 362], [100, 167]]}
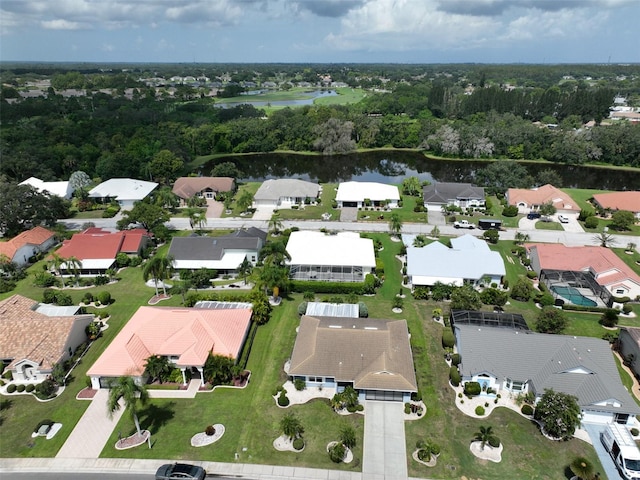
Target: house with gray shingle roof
{"points": [[202, 187], [34, 337], [223, 254], [463, 195], [371, 355], [515, 361], [285, 192], [629, 347]]}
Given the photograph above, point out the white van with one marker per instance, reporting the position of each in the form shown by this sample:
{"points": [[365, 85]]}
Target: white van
{"points": [[623, 449], [563, 219]]}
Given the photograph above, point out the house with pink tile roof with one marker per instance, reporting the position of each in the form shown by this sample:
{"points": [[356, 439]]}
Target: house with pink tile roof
{"points": [[532, 199], [606, 267], [97, 248], [34, 339], [614, 201], [186, 336], [27, 244]]}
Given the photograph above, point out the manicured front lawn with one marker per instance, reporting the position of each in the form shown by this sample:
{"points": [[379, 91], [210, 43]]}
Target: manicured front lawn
{"points": [[405, 213], [548, 226], [310, 212]]}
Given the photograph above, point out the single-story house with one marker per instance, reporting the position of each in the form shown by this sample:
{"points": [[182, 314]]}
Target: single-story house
{"points": [[463, 195], [223, 254], [186, 336], [344, 257], [511, 361], [285, 192], [629, 347], [606, 267], [469, 260], [371, 355], [532, 199], [362, 194], [34, 337], [97, 249], [202, 187], [613, 201], [27, 244], [126, 191], [60, 189]]}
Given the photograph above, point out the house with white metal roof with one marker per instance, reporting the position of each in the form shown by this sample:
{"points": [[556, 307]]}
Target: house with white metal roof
{"points": [[125, 191], [515, 361], [285, 192], [60, 189], [361, 194], [343, 257], [469, 260]]}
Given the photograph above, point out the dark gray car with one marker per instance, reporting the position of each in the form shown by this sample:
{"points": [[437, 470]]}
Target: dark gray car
{"points": [[174, 471]]}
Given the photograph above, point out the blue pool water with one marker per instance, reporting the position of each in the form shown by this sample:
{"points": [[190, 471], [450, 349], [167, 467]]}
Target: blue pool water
{"points": [[574, 296]]}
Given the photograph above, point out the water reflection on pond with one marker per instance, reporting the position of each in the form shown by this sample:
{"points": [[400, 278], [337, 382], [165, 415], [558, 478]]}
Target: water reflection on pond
{"points": [[395, 166]]}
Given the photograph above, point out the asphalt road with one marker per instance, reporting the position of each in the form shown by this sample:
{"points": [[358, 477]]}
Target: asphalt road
{"points": [[87, 476]]}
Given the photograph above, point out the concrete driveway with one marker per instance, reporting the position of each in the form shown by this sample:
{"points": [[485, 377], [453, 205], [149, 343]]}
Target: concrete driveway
{"points": [[610, 470], [384, 451], [263, 213], [573, 225], [436, 218], [214, 209]]}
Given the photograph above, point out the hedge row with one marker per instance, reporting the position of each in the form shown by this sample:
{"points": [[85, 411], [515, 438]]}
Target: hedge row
{"points": [[581, 308], [326, 287]]}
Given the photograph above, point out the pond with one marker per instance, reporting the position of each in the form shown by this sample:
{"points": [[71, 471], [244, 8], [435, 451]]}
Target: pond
{"points": [[390, 166], [311, 96]]}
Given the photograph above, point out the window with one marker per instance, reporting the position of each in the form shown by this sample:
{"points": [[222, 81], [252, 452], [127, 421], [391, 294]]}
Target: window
{"points": [[315, 379], [620, 291]]}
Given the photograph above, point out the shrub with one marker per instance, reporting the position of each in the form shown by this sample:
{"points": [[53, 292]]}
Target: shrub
{"points": [[359, 408], [363, 311], [87, 298], [407, 408], [104, 298], [635, 432], [421, 293], [448, 339], [210, 430], [531, 274], [434, 448], [627, 309], [337, 452], [416, 396], [331, 287], [351, 408], [298, 443], [299, 384], [456, 359], [527, 409], [609, 318], [472, 389], [379, 267], [621, 299], [101, 280], [454, 376], [591, 222], [494, 441], [21, 388], [11, 388], [283, 400], [480, 410], [8, 375], [424, 454], [302, 308], [30, 388], [510, 211]]}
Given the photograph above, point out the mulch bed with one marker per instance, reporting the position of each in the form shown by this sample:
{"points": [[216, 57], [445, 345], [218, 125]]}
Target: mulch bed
{"points": [[133, 441], [86, 393], [158, 298]]}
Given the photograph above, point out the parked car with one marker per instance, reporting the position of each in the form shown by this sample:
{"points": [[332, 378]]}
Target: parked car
{"points": [[533, 215], [563, 219], [184, 471]]}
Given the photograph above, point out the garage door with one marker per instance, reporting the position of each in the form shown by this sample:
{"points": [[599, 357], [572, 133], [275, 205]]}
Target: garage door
{"points": [[350, 204], [384, 396]]}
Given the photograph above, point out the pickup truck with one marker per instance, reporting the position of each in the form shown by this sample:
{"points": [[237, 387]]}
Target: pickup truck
{"points": [[464, 224]]}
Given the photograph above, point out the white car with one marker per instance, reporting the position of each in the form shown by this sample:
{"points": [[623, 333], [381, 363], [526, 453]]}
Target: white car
{"points": [[563, 219]]}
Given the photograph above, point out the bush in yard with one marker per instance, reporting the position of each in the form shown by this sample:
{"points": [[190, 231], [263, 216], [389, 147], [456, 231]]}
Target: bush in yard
{"points": [[510, 211], [337, 452], [546, 300], [416, 396], [424, 454], [609, 318], [480, 410], [522, 290], [104, 298], [492, 235], [210, 430], [283, 400], [559, 414], [87, 298], [21, 388], [456, 359], [551, 320], [591, 222], [531, 274], [448, 339], [527, 409], [454, 376], [101, 280], [30, 388], [7, 375], [635, 432], [421, 293], [494, 441], [302, 308], [299, 384], [11, 388], [627, 309], [298, 443], [407, 408], [363, 311], [472, 389]]}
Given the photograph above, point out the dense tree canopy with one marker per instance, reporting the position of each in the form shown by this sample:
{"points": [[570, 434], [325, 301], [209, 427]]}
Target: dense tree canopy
{"points": [[23, 207]]}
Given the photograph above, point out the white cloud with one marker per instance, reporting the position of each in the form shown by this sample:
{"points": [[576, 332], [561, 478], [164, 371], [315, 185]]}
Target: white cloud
{"points": [[60, 24], [107, 47]]}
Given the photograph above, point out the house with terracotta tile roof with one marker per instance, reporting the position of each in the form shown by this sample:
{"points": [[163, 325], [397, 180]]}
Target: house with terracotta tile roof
{"points": [[34, 339], [27, 244], [371, 355], [201, 187], [97, 248], [186, 336], [532, 199], [606, 268], [614, 201]]}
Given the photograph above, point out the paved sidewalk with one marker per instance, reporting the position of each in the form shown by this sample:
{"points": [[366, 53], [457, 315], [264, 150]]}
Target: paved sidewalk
{"points": [[384, 451], [190, 392], [93, 430]]}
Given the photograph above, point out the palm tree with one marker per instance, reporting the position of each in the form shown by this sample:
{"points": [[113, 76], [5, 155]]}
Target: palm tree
{"points": [[157, 367], [73, 265], [274, 253], [605, 239], [192, 213], [582, 468], [395, 224], [275, 224], [57, 262], [165, 198], [245, 269], [201, 219], [348, 436], [159, 269], [131, 393], [273, 276], [483, 436], [291, 426], [521, 238]]}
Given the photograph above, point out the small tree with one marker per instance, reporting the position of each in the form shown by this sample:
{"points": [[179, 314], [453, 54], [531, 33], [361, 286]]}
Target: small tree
{"points": [[244, 269], [547, 209], [522, 290], [132, 394], [492, 235], [158, 367], [582, 468], [559, 414], [551, 320], [465, 298], [609, 318], [483, 436], [395, 224], [291, 426], [622, 220], [348, 436]]}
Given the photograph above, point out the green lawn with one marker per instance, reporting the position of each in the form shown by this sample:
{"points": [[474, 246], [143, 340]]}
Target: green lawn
{"points": [[582, 196], [549, 226], [406, 213], [310, 212], [252, 188]]}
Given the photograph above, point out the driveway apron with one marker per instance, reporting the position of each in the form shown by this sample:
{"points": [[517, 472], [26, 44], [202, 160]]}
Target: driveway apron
{"points": [[610, 469], [385, 452], [93, 430]]}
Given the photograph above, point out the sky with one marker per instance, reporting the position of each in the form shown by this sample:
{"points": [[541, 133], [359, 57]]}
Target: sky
{"points": [[322, 31]]}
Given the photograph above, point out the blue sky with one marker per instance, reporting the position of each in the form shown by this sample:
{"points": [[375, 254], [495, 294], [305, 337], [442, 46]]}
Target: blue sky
{"points": [[340, 31]]}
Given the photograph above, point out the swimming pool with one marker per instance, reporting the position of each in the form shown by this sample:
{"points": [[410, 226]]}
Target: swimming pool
{"points": [[573, 295]]}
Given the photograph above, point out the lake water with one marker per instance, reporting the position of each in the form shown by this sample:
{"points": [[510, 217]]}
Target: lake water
{"points": [[313, 94], [394, 166]]}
